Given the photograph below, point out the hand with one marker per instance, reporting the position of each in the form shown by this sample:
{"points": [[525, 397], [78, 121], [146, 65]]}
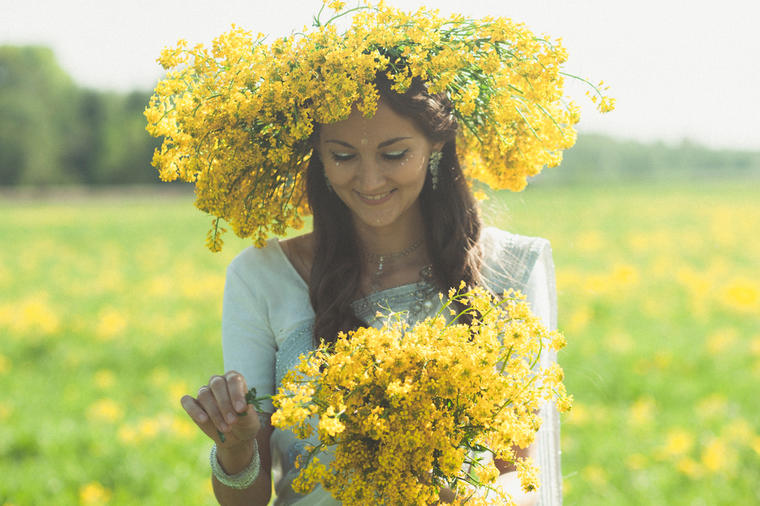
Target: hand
{"points": [[221, 409]]}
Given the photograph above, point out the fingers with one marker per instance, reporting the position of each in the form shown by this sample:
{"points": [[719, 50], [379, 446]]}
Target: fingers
{"points": [[237, 388], [218, 386], [221, 406], [199, 416]]}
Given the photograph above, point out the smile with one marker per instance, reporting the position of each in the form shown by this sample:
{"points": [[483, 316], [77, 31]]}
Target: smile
{"points": [[377, 198]]}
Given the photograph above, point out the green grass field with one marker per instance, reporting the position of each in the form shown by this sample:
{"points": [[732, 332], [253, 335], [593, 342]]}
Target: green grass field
{"points": [[110, 311]]}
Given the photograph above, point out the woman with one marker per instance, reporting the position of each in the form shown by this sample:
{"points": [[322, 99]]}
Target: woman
{"points": [[394, 224]]}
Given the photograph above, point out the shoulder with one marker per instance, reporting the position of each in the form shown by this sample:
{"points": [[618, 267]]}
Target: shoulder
{"points": [[254, 261], [509, 259], [264, 276], [267, 268]]}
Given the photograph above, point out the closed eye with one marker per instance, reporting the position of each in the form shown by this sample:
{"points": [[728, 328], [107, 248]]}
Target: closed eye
{"points": [[395, 155], [341, 157]]}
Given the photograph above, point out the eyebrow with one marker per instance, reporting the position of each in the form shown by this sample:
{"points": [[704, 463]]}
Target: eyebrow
{"points": [[381, 145]]}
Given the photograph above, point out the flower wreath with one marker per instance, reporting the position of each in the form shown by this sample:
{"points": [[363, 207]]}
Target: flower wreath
{"points": [[237, 117]]}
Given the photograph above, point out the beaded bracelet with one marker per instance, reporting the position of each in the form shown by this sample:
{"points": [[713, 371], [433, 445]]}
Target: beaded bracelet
{"points": [[244, 478]]}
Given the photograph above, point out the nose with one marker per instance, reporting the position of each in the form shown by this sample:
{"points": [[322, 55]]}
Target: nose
{"points": [[370, 176]]}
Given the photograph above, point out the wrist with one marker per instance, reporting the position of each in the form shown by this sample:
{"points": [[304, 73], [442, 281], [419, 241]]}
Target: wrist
{"points": [[235, 458]]}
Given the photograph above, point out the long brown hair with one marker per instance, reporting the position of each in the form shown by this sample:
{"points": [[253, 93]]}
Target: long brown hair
{"points": [[450, 216]]}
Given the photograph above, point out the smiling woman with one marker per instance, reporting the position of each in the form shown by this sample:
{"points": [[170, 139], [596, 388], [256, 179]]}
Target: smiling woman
{"points": [[368, 127], [384, 238]]}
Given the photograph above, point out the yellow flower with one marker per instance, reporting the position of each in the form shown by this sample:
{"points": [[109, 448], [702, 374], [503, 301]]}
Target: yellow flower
{"points": [[625, 275], [528, 474], [755, 444], [34, 314], [606, 104], [642, 411], [488, 473], [236, 117], [579, 415], [148, 428], [336, 5], [678, 442], [329, 423], [742, 295], [595, 475], [689, 467], [182, 428], [104, 410], [177, 389], [717, 456], [395, 401], [127, 434], [104, 379], [754, 345], [111, 323], [94, 493]]}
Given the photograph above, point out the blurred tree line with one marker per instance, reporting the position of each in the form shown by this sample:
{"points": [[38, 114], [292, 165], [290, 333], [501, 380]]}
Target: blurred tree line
{"points": [[55, 132], [599, 157]]}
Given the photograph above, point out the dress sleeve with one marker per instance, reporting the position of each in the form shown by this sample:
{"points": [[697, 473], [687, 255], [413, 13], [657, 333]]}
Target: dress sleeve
{"points": [[542, 294], [248, 343]]}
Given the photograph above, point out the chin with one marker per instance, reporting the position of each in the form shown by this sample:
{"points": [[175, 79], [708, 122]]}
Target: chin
{"points": [[377, 222]]}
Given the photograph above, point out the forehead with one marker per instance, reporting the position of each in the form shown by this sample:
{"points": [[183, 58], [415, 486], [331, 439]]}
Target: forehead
{"points": [[385, 123]]}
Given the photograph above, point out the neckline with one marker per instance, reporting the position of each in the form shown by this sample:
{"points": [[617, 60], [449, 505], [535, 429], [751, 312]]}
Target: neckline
{"points": [[290, 266], [305, 286]]}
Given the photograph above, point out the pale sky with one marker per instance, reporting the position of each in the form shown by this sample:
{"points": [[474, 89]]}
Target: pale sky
{"points": [[679, 69]]}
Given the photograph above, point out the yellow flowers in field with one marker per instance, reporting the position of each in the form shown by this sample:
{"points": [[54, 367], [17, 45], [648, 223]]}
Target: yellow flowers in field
{"points": [[32, 314], [409, 410], [94, 493], [104, 410], [659, 395]]}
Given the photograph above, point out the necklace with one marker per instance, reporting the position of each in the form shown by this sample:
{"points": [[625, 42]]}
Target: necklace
{"points": [[381, 259]]}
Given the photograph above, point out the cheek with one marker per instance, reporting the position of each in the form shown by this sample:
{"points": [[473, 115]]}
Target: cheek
{"points": [[412, 170], [338, 173], [333, 170]]}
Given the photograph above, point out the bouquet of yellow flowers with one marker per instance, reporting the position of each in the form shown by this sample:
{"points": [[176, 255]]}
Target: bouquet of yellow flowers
{"points": [[237, 117], [408, 411]]}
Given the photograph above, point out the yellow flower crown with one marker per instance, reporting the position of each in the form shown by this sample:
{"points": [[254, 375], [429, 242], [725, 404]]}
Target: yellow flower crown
{"points": [[237, 117]]}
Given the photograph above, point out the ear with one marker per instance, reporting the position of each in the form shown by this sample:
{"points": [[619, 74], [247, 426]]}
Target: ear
{"points": [[438, 146]]}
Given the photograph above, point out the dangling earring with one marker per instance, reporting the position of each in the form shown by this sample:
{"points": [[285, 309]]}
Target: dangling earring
{"points": [[435, 159]]}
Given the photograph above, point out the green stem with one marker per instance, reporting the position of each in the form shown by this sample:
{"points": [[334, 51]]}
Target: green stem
{"points": [[585, 81], [316, 23], [337, 16]]}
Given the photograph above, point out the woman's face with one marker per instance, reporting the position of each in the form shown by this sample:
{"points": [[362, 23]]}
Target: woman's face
{"points": [[376, 166]]}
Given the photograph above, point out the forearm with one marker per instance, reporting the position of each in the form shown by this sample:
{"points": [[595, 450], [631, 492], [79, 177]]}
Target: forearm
{"points": [[234, 460]]}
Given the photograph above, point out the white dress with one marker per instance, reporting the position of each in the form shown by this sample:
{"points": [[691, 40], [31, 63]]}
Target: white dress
{"points": [[267, 324]]}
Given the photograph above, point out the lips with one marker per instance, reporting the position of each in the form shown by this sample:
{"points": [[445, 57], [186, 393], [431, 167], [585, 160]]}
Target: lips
{"points": [[377, 198]]}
